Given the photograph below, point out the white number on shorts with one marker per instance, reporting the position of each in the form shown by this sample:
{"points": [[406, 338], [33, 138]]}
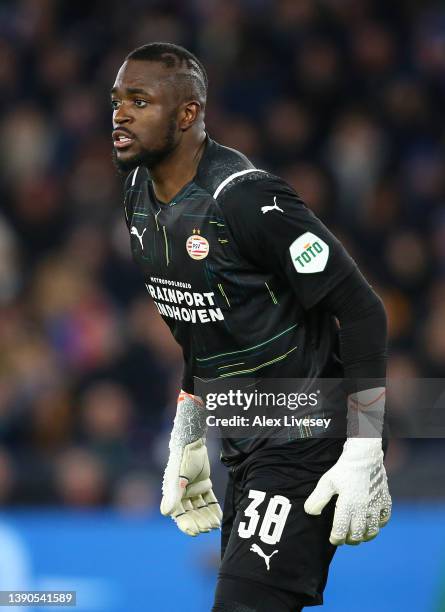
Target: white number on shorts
{"points": [[247, 530], [274, 519]]}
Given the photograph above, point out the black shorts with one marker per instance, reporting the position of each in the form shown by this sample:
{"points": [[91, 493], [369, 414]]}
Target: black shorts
{"points": [[266, 535]]}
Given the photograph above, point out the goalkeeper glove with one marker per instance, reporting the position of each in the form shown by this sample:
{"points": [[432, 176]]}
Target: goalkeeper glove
{"points": [[359, 479], [187, 489]]}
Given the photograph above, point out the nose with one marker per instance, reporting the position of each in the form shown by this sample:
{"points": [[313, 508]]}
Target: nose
{"points": [[121, 115]]}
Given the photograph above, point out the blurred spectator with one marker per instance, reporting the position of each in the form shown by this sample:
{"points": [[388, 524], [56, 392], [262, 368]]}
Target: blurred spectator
{"points": [[136, 493], [9, 263], [30, 143], [356, 155], [80, 479], [7, 477], [105, 424]]}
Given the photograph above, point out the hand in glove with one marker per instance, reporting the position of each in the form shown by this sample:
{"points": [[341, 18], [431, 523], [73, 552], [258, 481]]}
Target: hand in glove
{"points": [[359, 480], [187, 489]]}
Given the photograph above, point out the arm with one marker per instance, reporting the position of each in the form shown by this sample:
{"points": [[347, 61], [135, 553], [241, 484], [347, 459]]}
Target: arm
{"points": [[359, 477], [363, 329], [188, 384]]}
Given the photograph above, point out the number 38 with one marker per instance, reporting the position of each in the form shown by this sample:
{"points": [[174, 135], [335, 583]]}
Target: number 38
{"points": [[274, 519]]}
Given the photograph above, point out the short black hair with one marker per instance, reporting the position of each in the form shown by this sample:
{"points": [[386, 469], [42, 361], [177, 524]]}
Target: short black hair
{"points": [[190, 75]]}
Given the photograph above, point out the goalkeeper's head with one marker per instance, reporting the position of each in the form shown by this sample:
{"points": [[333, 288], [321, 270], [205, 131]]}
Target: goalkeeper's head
{"points": [[158, 99]]}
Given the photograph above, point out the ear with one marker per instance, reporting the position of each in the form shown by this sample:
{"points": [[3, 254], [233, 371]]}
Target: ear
{"points": [[189, 114]]}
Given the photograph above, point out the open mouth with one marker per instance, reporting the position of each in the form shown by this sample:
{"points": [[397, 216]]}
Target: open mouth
{"points": [[122, 140]]}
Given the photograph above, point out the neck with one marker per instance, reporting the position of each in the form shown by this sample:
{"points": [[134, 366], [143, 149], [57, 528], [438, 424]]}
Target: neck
{"points": [[170, 176]]}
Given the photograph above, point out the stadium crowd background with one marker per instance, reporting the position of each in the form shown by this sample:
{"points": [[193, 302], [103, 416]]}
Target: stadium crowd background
{"points": [[342, 98]]}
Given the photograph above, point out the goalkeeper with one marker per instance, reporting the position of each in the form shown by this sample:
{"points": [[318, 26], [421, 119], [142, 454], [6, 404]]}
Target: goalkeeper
{"points": [[251, 284]]}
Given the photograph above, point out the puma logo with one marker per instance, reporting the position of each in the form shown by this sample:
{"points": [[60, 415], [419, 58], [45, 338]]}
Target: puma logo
{"points": [[256, 549], [265, 209], [134, 231]]}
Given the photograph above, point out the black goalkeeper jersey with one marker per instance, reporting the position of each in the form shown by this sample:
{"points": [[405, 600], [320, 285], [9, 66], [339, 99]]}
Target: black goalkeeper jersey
{"points": [[236, 265]]}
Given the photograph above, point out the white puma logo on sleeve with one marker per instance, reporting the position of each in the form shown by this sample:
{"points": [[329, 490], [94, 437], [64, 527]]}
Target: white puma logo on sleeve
{"points": [[265, 209]]}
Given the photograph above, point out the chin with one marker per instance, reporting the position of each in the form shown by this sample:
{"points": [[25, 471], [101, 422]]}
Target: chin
{"points": [[125, 163]]}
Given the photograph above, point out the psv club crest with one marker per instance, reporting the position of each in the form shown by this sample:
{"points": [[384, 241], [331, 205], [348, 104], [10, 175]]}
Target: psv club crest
{"points": [[197, 246]]}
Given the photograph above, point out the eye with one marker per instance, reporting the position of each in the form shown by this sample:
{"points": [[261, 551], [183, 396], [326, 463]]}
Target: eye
{"points": [[115, 104], [140, 103]]}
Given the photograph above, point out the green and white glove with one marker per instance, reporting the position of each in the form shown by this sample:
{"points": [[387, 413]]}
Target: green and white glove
{"points": [[359, 479], [187, 489]]}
